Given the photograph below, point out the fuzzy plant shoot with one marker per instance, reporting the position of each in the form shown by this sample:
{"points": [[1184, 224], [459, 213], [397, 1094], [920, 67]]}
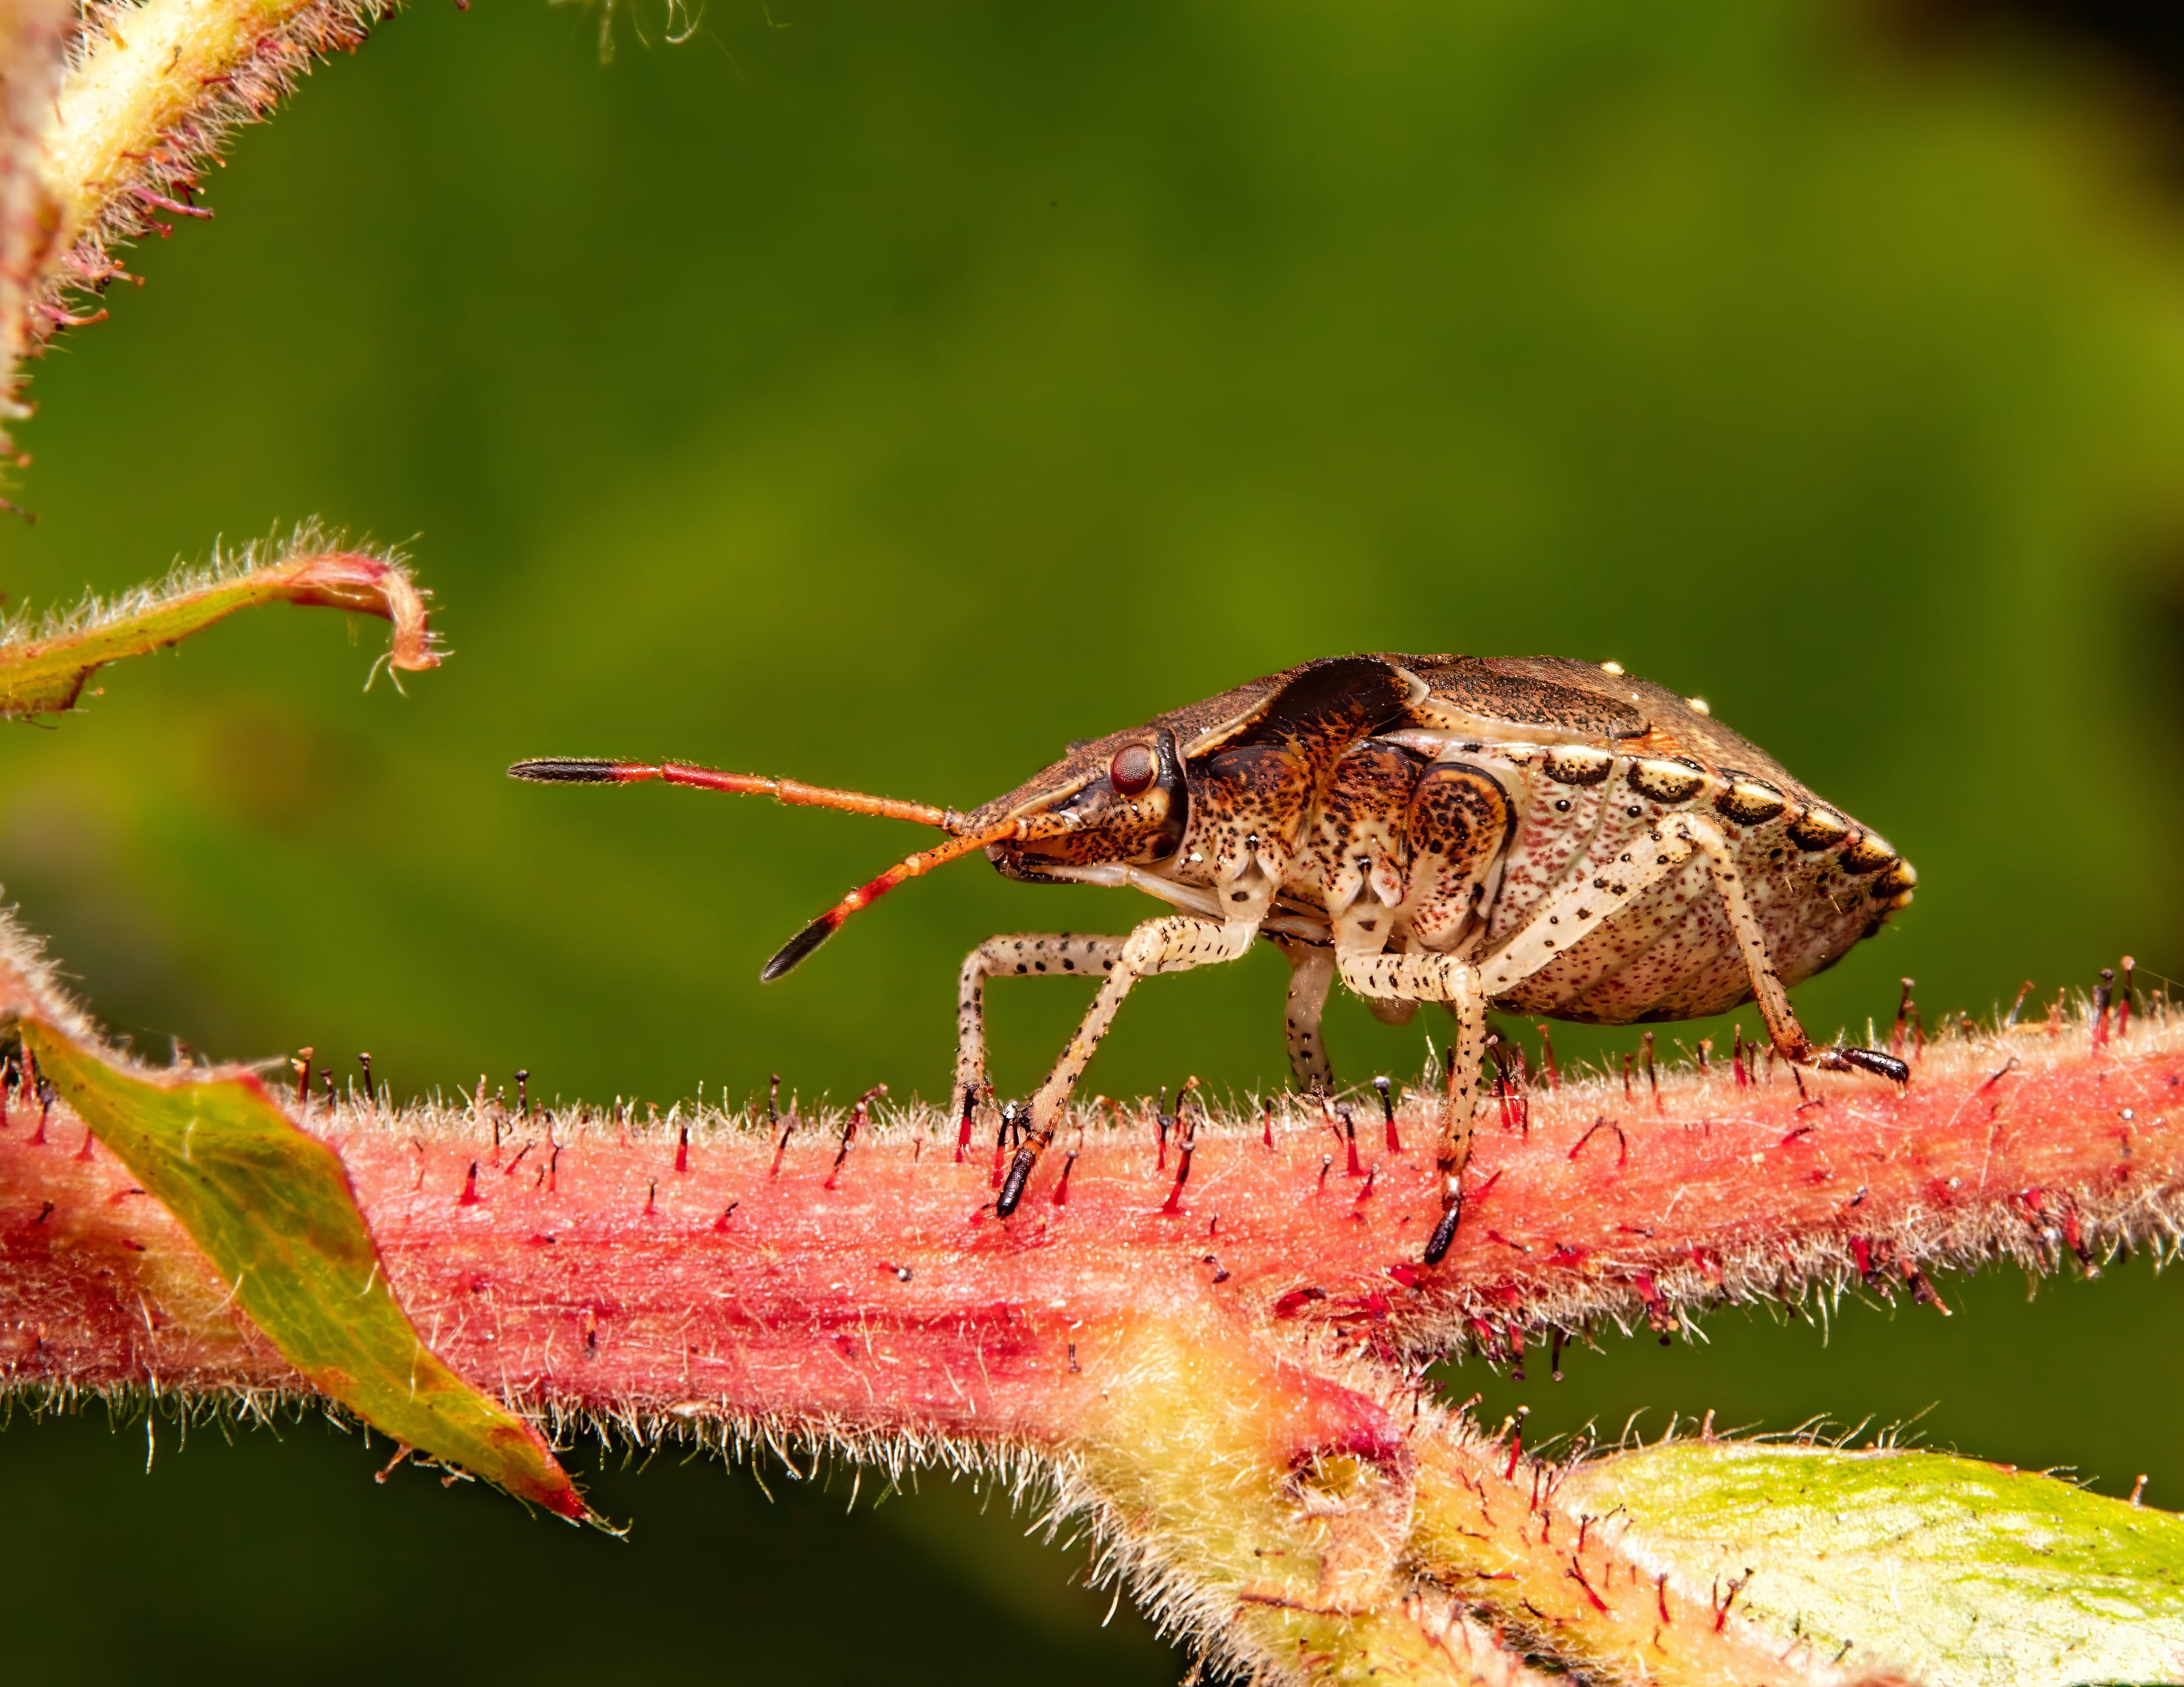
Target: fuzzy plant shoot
{"points": [[1220, 1369], [1536, 835], [111, 114]]}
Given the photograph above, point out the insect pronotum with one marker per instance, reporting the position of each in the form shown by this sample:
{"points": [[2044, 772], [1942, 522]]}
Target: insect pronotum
{"points": [[1537, 834]]}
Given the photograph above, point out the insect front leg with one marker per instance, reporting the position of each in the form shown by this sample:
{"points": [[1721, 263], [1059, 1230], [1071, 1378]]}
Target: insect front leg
{"points": [[1436, 978], [1312, 971], [1173, 944], [1054, 956]]}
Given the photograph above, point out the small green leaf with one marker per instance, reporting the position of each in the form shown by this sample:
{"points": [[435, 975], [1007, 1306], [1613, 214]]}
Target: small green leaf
{"points": [[44, 671], [273, 1209], [1950, 1571]]}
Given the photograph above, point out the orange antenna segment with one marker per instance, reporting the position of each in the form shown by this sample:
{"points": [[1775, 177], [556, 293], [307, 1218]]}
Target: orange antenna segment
{"points": [[587, 770], [924, 862]]}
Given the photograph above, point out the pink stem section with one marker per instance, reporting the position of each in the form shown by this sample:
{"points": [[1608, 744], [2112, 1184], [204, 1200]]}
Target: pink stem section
{"points": [[573, 1267]]}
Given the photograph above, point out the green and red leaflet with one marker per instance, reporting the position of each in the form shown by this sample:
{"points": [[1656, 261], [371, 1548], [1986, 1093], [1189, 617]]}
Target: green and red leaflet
{"points": [[273, 1209]]}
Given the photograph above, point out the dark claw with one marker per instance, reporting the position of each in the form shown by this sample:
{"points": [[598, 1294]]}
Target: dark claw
{"points": [[1438, 1244], [1012, 1186], [1872, 1061]]}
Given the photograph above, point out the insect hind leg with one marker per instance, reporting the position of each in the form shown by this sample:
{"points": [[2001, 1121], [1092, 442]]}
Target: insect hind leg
{"points": [[1583, 907], [1789, 1036]]}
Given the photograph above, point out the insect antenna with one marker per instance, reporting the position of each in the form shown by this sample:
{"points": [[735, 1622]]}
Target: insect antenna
{"points": [[911, 866], [591, 771]]}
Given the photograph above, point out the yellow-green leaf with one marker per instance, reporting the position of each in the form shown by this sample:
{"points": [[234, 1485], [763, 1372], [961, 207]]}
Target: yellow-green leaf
{"points": [[1953, 1571], [273, 1209]]}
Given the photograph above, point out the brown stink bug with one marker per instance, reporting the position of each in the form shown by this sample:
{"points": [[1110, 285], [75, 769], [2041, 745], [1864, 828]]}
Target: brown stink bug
{"points": [[1535, 834]]}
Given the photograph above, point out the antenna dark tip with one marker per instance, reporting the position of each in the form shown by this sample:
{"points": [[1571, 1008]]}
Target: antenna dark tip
{"points": [[567, 771], [792, 952]]}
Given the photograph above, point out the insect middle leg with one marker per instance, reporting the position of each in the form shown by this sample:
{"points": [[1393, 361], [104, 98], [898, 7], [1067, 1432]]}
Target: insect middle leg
{"points": [[1059, 955], [1466, 987], [1442, 978], [1175, 944], [1312, 971]]}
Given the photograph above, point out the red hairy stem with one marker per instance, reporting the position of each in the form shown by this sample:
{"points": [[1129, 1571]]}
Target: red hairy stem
{"points": [[896, 1299], [1204, 1366]]}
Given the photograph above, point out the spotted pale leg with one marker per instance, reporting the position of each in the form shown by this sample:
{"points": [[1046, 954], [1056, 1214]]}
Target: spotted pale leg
{"points": [[1175, 944], [1059, 955], [1436, 978], [1311, 972], [1789, 1036], [1585, 904]]}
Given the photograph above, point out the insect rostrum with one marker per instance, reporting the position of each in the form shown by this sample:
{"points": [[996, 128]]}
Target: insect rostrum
{"points": [[1539, 834]]}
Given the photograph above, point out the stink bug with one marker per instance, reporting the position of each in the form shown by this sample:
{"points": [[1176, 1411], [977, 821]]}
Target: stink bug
{"points": [[1535, 834]]}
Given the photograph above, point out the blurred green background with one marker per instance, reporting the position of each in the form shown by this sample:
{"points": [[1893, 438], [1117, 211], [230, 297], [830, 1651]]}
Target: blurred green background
{"points": [[885, 393]]}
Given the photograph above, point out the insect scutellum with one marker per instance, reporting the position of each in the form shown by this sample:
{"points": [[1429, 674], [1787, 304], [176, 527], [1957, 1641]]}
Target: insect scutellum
{"points": [[1537, 834]]}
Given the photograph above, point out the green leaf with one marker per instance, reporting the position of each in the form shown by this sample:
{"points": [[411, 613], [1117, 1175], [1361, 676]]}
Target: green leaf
{"points": [[43, 670], [1951, 1572], [273, 1209]]}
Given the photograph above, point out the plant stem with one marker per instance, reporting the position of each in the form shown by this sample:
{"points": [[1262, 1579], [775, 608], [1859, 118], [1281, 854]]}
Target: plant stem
{"points": [[1229, 1385]]}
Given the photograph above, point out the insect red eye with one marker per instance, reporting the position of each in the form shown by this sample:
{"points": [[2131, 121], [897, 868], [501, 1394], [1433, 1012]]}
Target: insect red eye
{"points": [[1133, 770]]}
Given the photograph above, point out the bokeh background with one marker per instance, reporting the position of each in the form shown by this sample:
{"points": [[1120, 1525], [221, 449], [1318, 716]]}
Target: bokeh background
{"points": [[884, 393]]}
